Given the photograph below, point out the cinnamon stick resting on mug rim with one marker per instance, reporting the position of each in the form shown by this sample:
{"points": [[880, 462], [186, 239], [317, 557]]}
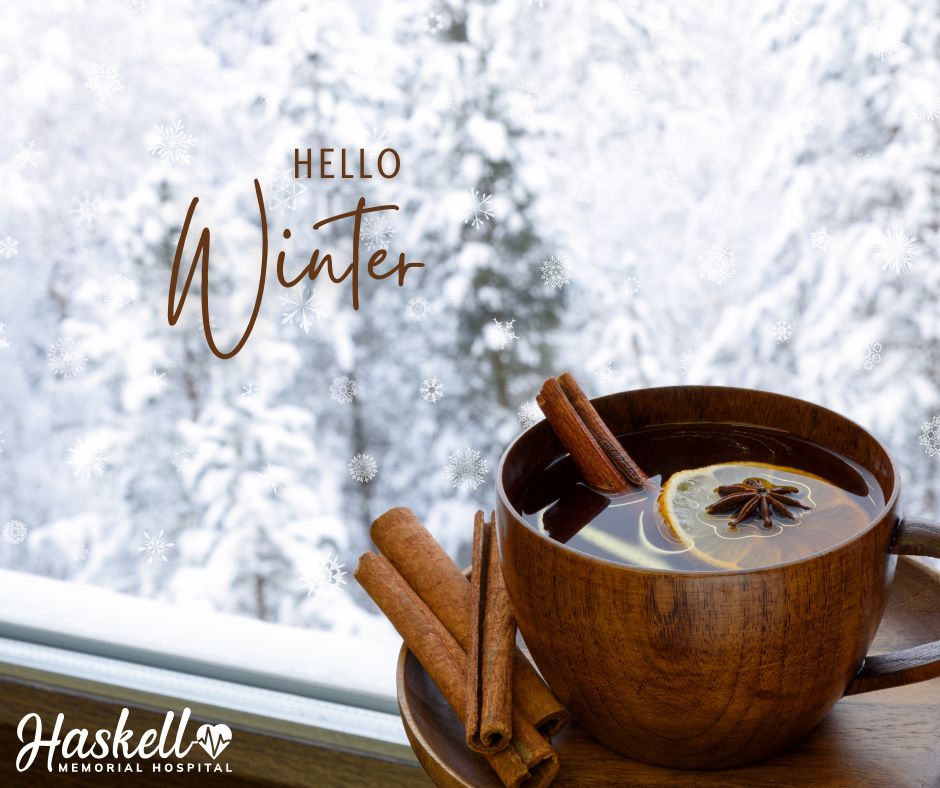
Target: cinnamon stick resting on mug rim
{"points": [[624, 463], [440, 584], [600, 457], [529, 759], [492, 645]]}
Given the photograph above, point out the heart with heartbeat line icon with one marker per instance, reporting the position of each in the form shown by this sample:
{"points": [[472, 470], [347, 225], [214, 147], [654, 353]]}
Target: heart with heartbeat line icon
{"points": [[214, 738]]}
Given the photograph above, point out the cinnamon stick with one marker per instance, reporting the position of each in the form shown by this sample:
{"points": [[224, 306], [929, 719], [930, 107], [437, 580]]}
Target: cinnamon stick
{"points": [[491, 648], [576, 507], [601, 432], [528, 760], [601, 458], [438, 581], [597, 468]]}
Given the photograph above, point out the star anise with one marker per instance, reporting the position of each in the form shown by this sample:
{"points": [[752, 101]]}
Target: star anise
{"points": [[752, 493]]}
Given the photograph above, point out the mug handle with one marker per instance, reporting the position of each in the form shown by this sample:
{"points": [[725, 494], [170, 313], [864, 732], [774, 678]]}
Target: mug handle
{"points": [[914, 536]]}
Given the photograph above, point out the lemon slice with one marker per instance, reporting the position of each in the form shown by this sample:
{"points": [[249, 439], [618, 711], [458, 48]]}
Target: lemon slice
{"points": [[686, 494]]}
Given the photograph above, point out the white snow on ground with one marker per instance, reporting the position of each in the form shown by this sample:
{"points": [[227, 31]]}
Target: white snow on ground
{"points": [[336, 658]]}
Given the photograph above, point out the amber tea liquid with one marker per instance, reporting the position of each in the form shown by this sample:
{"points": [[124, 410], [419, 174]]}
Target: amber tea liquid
{"points": [[634, 528]]}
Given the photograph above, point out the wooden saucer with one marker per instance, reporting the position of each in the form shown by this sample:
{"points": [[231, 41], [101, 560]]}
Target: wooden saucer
{"points": [[885, 738]]}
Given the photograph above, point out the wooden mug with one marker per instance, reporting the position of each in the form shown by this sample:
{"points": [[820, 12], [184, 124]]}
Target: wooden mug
{"points": [[713, 669]]}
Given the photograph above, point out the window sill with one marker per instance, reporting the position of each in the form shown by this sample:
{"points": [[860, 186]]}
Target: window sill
{"points": [[58, 641], [304, 662]]}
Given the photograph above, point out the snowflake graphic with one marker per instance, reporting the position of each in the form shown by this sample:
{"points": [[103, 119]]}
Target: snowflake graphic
{"points": [[377, 138], [434, 23], [687, 362], [104, 81], [343, 389], [605, 371], [632, 285], [249, 391], [182, 457], [819, 239], [9, 247], [86, 459], [170, 143], [480, 210], [156, 383], [25, 68], [79, 553], [15, 532], [897, 252], [529, 414], [201, 325], [418, 309], [330, 574], [274, 477], [870, 357], [930, 437], [302, 309], [376, 233], [522, 102], [926, 107], [668, 179], [725, 90], [363, 468], [365, 67], [783, 331], [791, 16], [432, 390], [285, 189], [584, 192], [4, 343], [555, 273], [1, 441], [502, 333], [155, 547], [879, 41], [119, 291], [716, 265], [86, 210], [66, 358], [466, 469], [27, 155], [443, 100]]}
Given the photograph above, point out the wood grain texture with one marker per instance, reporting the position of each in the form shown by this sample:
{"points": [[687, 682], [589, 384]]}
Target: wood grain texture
{"points": [[917, 536], [698, 670], [914, 536], [256, 758], [881, 740]]}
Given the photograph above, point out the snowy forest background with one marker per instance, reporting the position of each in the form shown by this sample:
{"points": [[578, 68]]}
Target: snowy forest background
{"points": [[732, 193]]}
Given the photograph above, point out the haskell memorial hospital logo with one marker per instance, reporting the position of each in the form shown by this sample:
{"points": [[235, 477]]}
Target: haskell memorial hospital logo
{"points": [[81, 750], [214, 738]]}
